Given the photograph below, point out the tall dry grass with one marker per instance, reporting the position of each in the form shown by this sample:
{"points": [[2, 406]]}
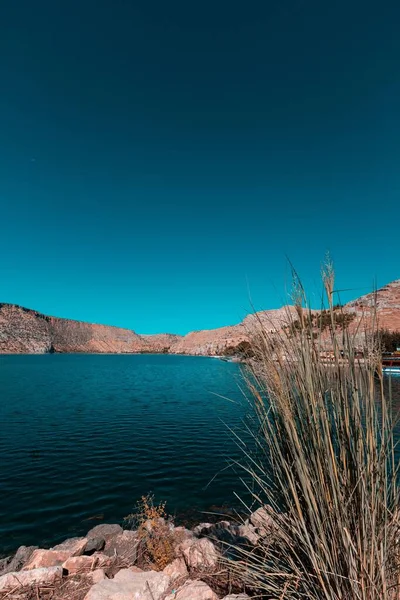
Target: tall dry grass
{"points": [[325, 464]]}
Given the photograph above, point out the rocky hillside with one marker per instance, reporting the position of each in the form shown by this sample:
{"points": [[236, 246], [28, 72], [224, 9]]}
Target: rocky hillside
{"points": [[26, 331], [387, 302]]}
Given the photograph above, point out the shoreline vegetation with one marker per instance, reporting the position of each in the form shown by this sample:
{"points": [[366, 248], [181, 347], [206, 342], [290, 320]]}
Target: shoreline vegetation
{"points": [[325, 468], [318, 449]]}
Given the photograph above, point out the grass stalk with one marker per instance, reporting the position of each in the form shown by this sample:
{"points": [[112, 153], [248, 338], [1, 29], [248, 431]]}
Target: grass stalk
{"points": [[324, 465]]}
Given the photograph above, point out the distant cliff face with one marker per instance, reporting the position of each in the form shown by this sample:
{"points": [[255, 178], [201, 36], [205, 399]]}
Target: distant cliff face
{"points": [[387, 303], [26, 331], [75, 336], [23, 331], [210, 342]]}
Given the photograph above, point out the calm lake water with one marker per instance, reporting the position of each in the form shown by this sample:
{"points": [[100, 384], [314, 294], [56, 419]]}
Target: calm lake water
{"points": [[82, 437], [85, 436]]}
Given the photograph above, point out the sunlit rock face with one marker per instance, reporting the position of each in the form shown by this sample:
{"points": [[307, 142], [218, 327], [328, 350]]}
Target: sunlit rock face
{"points": [[23, 331], [387, 303], [27, 331]]}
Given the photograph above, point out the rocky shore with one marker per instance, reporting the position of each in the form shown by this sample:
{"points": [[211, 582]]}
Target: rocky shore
{"points": [[111, 563]]}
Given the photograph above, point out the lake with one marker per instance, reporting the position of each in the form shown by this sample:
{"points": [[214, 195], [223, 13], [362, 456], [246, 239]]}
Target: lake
{"points": [[82, 437]]}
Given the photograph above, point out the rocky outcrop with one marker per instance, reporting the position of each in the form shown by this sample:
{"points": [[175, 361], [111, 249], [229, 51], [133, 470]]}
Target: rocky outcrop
{"points": [[128, 584], [211, 342], [72, 571], [38, 577], [386, 301], [26, 331], [161, 343], [23, 331], [193, 590]]}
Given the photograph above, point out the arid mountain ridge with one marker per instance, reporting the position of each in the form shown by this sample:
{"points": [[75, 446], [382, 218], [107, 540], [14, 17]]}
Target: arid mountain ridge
{"points": [[26, 331]]}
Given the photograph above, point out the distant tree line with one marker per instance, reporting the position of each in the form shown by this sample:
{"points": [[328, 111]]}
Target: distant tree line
{"points": [[242, 350], [389, 340], [323, 320]]}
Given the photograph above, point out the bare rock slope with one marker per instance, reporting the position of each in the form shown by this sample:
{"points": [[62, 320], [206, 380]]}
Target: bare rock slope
{"points": [[386, 300], [27, 331]]}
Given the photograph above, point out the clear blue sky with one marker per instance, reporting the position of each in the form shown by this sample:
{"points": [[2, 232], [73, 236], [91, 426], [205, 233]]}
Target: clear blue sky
{"points": [[159, 159]]}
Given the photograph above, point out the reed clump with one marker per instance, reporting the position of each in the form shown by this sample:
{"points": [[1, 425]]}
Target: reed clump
{"points": [[324, 465]]}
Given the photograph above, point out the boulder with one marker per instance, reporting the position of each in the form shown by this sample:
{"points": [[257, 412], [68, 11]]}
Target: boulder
{"points": [[193, 590], [181, 533], [248, 534], [41, 559], [228, 533], [16, 562], [39, 577], [176, 570], [105, 531], [4, 562], [262, 521], [83, 564], [135, 569], [123, 545], [57, 555], [203, 529], [95, 544], [223, 532], [75, 546], [96, 575], [199, 553], [127, 585]]}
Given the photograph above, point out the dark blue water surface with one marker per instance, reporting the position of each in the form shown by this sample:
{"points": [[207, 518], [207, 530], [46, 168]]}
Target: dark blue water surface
{"points": [[85, 436]]}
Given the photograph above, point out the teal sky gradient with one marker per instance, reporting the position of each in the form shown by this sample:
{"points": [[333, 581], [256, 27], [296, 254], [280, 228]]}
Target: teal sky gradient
{"points": [[159, 160]]}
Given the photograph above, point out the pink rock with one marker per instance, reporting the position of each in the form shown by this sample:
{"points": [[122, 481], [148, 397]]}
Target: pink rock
{"points": [[176, 570], [16, 563], [46, 558], [127, 585], [181, 533], [124, 545], [43, 576], [83, 564], [193, 590], [75, 546], [199, 553], [79, 564], [248, 532], [262, 521], [105, 530], [97, 575]]}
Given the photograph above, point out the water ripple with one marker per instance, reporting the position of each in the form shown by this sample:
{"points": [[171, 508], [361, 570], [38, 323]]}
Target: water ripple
{"points": [[84, 435]]}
